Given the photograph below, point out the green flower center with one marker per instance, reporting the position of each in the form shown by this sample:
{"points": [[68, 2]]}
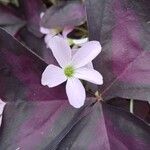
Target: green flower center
{"points": [[69, 71], [70, 41]]}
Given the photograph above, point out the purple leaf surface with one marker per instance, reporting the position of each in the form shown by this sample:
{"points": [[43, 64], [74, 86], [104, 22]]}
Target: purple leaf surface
{"points": [[9, 19], [70, 13], [107, 128], [36, 117], [141, 109], [26, 125], [21, 69], [32, 10], [34, 125], [36, 44], [123, 30], [29, 34]]}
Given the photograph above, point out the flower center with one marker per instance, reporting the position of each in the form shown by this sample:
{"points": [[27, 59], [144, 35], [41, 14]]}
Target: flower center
{"points": [[69, 71]]}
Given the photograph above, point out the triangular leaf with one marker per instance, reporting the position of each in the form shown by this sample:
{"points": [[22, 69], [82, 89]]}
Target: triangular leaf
{"points": [[124, 34]]}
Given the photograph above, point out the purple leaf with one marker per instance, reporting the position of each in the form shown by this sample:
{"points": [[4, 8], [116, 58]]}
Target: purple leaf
{"points": [[32, 10], [9, 20], [36, 44], [107, 127], [124, 35], [141, 109], [36, 117], [70, 13], [30, 35], [26, 125], [21, 70]]}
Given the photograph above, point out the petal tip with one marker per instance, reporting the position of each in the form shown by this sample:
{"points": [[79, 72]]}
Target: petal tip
{"points": [[100, 80], [79, 105]]}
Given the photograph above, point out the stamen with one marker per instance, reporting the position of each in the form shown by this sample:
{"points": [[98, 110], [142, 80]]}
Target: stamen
{"points": [[69, 71]]}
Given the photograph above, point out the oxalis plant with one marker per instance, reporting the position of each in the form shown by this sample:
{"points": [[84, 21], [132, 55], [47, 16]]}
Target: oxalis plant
{"points": [[74, 75]]}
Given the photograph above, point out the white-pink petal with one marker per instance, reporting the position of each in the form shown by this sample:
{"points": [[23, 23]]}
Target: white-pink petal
{"points": [[75, 92], [89, 65], [86, 54], [90, 75], [66, 31], [44, 30], [61, 50], [2, 104], [49, 36], [80, 42], [53, 76], [41, 14]]}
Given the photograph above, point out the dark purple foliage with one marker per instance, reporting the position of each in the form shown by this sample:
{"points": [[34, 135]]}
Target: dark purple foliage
{"points": [[32, 10], [27, 27], [36, 44], [70, 13], [27, 125], [140, 108], [9, 19], [124, 35], [21, 70], [37, 117]]}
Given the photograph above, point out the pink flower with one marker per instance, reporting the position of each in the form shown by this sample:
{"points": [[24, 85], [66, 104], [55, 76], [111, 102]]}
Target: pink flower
{"points": [[50, 33], [72, 68]]}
